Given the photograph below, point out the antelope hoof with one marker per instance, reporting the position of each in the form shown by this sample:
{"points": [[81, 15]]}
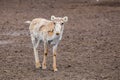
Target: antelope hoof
{"points": [[44, 66], [38, 65], [55, 70]]}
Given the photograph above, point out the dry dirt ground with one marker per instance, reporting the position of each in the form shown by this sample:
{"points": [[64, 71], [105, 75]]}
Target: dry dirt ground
{"points": [[89, 50]]}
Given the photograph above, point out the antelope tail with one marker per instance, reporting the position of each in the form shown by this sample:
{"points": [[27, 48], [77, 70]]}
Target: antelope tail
{"points": [[28, 22]]}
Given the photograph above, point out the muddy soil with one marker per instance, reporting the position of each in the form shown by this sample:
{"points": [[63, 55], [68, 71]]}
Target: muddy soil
{"points": [[89, 50]]}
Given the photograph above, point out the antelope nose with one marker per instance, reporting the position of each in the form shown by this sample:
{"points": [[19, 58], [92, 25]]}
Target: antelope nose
{"points": [[57, 33]]}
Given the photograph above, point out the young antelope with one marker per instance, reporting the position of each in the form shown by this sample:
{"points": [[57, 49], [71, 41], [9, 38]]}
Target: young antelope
{"points": [[49, 32]]}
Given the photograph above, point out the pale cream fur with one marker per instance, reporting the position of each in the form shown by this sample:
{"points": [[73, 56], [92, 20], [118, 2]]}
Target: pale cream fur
{"points": [[46, 31]]}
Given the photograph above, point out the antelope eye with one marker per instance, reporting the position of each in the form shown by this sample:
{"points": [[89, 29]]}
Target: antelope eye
{"points": [[54, 23], [62, 23]]}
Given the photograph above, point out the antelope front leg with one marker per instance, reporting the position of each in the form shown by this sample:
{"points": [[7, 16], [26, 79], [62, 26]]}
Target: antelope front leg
{"points": [[54, 58], [37, 62], [45, 55]]}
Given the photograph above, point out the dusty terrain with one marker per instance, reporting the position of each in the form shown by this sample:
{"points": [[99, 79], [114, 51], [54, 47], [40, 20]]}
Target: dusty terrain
{"points": [[89, 50]]}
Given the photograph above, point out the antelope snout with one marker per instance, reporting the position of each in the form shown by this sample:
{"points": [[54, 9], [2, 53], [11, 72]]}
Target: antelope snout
{"points": [[57, 33]]}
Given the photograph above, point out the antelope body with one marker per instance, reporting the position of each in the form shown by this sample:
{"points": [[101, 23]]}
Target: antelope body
{"points": [[49, 32]]}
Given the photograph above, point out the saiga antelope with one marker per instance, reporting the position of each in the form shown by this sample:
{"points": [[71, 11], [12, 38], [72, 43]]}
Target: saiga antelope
{"points": [[49, 32]]}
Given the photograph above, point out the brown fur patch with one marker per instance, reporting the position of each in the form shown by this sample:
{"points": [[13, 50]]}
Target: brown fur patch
{"points": [[34, 22], [45, 54], [42, 28], [54, 55], [50, 28], [50, 33], [44, 64]]}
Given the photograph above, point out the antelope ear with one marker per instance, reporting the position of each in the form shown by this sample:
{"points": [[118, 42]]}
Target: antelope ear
{"points": [[65, 19], [52, 17]]}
